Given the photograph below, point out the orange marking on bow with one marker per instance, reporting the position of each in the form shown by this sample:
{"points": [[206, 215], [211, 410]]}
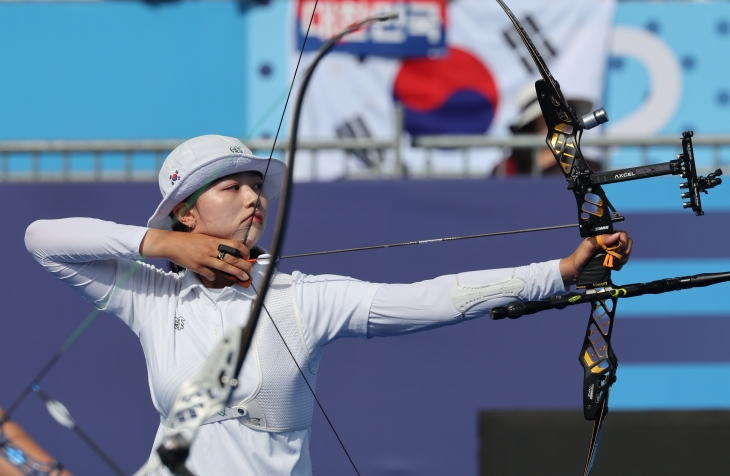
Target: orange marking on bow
{"points": [[610, 252]]}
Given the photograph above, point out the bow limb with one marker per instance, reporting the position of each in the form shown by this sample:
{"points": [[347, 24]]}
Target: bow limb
{"points": [[281, 222], [280, 228], [595, 217], [210, 389], [208, 392]]}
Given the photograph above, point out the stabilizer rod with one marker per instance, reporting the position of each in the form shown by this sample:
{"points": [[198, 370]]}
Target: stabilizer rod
{"points": [[515, 310]]}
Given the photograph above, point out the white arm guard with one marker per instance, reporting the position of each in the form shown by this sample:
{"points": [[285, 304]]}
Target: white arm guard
{"points": [[464, 297]]}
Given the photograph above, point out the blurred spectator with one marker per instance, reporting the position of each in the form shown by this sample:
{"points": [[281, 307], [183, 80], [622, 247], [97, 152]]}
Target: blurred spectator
{"points": [[526, 161]]}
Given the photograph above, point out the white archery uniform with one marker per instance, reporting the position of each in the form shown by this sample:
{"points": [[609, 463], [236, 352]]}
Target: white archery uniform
{"points": [[179, 321]]}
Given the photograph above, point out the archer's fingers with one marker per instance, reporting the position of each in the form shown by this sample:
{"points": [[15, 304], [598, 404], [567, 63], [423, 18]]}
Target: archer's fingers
{"points": [[629, 246], [625, 250], [238, 261], [610, 240], [226, 266], [239, 264], [242, 249], [624, 244], [205, 272]]}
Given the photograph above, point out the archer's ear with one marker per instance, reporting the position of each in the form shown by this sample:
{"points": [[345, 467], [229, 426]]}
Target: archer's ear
{"points": [[184, 213]]}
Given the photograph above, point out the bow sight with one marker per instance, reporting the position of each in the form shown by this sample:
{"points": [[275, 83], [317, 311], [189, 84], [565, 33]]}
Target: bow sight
{"points": [[684, 166], [596, 216], [596, 213]]}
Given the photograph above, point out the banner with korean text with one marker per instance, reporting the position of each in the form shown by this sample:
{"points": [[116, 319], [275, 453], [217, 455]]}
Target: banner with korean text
{"points": [[455, 67]]}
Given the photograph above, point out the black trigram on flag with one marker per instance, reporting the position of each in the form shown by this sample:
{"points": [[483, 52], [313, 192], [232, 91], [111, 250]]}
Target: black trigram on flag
{"points": [[547, 51]]}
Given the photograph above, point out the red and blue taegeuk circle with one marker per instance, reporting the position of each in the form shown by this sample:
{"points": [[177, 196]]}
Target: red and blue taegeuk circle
{"points": [[456, 94]]}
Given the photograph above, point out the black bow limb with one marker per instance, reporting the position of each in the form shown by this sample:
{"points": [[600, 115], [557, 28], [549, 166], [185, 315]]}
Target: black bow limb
{"points": [[596, 216]]}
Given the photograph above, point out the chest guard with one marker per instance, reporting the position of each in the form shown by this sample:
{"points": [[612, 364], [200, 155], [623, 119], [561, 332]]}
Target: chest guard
{"points": [[283, 401]]}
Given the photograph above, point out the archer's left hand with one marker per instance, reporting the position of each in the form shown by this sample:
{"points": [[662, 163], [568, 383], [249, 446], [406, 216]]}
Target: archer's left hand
{"points": [[571, 266]]}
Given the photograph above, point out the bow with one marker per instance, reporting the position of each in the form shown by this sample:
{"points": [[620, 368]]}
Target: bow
{"points": [[596, 216], [207, 393]]}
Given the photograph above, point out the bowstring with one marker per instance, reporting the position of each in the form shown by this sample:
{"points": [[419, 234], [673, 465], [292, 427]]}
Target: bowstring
{"points": [[248, 230], [281, 121], [77, 333], [301, 372]]}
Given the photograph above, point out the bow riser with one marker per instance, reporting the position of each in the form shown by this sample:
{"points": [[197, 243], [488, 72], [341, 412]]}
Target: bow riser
{"points": [[595, 216]]}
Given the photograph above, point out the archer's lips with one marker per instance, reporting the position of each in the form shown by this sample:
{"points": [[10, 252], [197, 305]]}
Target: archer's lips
{"points": [[256, 219]]}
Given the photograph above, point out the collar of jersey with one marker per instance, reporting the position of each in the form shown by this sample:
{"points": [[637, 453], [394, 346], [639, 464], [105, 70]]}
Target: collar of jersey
{"points": [[191, 280]]}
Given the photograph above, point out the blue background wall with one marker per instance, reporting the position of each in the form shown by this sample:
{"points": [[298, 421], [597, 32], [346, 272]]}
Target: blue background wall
{"points": [[699, 36], [404, 405], [114, 70], [131, 70]]}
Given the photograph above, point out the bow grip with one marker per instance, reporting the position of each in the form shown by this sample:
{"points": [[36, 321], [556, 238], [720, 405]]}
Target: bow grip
{"points": [[594, 274]]}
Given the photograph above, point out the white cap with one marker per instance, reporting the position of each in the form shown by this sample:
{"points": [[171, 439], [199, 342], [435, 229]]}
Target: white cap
{"points": [[530, 107], [201, 160]]}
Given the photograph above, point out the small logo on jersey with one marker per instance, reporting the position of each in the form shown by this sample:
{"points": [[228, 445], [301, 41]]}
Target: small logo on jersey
{"points": [[236, 150], [179, 323], [174, 177], [222, 413]]}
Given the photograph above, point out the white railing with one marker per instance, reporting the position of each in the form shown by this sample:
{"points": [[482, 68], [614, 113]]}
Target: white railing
{"points": [[60, 155], [134, 160]]}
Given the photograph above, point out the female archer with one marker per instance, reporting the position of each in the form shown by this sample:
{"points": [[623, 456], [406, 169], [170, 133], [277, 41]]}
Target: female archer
{"points": [[214, 193]]}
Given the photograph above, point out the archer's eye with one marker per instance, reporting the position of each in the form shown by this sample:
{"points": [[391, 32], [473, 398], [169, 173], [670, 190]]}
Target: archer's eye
{"points": [[258, 186], [235, 187]]}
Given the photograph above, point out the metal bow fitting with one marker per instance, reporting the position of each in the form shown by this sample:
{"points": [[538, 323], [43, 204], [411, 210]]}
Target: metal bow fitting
{"points": [[596, 216]]}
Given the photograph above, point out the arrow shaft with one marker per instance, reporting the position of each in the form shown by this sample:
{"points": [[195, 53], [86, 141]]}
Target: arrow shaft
{"points": [[423, 242]]}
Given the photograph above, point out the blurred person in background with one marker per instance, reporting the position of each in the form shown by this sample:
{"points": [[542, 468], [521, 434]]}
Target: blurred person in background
{"points": [[214, 193], [20, 455], [528, 161]]}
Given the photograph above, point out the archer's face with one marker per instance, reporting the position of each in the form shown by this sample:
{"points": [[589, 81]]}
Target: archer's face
{"points": [[228, 205]]}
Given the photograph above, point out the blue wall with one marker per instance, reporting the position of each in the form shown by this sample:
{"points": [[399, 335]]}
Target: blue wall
{"points": [[131, 70], [404, 405], [122, 70], [699, 36]]}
